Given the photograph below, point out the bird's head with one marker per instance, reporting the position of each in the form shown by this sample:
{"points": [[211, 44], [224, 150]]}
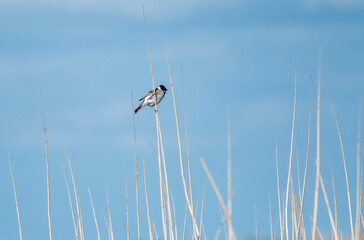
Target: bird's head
{"points": [[163, 88]]}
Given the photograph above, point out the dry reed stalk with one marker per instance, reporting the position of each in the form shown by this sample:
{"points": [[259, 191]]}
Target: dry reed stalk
{"points": [[346, 173], [187, 145], [361, 192], [275, 229], [223, 222], [109, 212], [229, 202], [314, 221], [127, 204], [14, 189], [147, 203], [47, 166], [197, 202], [184, 224], [189, 226], [298, 171], [71, 205], [75, 191], [203, 200], [93, 211], [107, 225], [217, 234], [155, 231], [219, 197], [203, 230], [294, 211], [335, 202], [136, 167], [157, 128], [82, 232], [180, 149], [358, 180], [333, 227], [300, 217], [163, 207], [175, 218], [270, 219], [281, 222], [320, 234], [283, 212], [171, 235], [290, 157]]}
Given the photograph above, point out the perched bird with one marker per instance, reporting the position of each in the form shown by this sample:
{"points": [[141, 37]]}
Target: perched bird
{"points": [[149, 98]]}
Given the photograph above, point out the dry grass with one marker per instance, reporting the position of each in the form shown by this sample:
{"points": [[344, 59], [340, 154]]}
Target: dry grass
{"points": [[314, 224], [14, 189], [47, 167], [95, 219], [290, 205]]}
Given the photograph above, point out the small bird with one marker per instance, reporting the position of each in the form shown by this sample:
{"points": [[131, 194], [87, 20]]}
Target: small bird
{"points": [[149, 98]]}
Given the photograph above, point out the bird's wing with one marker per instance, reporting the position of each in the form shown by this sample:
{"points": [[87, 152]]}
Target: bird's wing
{"points": [[150, 93]]}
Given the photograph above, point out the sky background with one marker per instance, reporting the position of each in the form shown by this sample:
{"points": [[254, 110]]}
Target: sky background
{"points": [[88, 56]]}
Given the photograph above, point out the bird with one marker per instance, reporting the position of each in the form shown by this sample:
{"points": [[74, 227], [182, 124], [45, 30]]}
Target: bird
{"points": [[149, 98]]}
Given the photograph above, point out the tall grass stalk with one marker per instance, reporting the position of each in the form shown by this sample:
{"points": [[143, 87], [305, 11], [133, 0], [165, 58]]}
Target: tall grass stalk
{"points": [[202, 204], [281, 222], [82, 229], [167, 199], [94, 214], [109, 213], [187, 145], [158, 139], [219, 198], [314, 221], [77, 198], [358, 180], [346, 173], [71, 205], [184, 225], [180, 151], [229, 202], [47, 167], [175, 218], [290, 158], [136, 167], [300, 217], [14, 189], [270, 220], [127, 205], [147, 204], [335, 201], [332, 222]]}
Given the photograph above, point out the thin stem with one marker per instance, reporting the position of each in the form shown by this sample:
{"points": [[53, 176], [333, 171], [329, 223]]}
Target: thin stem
{"points": [[180, 149], [93, 211], [14, 189], [314, 221], [47, 166]]}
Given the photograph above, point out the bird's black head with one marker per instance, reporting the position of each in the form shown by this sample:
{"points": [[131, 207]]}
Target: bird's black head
{"points": [[163, 88]]}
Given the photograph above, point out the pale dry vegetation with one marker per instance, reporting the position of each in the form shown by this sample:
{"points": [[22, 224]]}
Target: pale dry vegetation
{"points": [[290, 201]]}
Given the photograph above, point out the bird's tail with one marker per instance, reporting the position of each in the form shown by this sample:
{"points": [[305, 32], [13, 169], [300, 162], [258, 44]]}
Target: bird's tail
{"points": [[138, 108]]}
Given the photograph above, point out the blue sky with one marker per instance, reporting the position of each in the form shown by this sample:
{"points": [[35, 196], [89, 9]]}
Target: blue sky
{"points": [[87, 57]]}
